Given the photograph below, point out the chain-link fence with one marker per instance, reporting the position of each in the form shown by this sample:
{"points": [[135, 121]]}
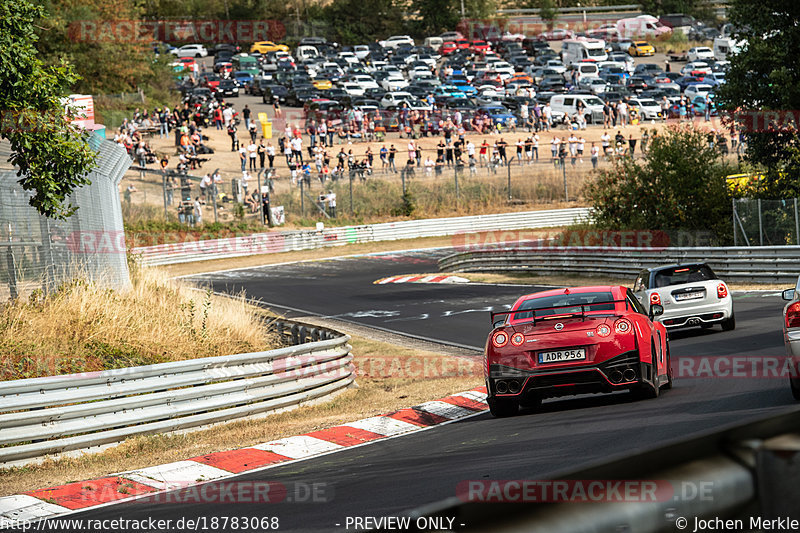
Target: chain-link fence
{"points": [[765, 222], [38, 253]]}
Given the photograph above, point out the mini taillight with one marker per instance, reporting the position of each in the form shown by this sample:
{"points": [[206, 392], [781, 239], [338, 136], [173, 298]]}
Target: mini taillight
{"points": [[603, 330], [722, 290], [623, 326], [793, 315], [655, 299], [500, 339], [517, 339]]}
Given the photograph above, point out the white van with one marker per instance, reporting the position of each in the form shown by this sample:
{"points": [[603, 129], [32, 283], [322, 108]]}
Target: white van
{"points": [[576, 50], [566, 105], [586, 69], [305, 52], [724, 47], [641, 26], [433, 42]]}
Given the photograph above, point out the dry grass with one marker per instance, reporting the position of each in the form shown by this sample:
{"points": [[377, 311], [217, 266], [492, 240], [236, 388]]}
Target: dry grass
{"points": [[389, 378], [85, 327]]}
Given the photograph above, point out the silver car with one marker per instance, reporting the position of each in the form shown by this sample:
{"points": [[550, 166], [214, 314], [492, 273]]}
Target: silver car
{"points": [[691, 295], [791, 335]]}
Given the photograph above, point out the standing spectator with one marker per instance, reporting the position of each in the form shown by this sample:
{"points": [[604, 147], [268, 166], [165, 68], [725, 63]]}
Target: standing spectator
{"points": [[645, 140], [322, 131], [501, 149], [253, 132], [271, 155], [483, 153], [276, 108], [227, 116], [605, 141], [554, 150], [246, 115], [581, 146], [594, 152], [197, 212], [252, 152], [383, 153], [622, 106], [573, 148], [297, 149], [262, 153], [312, 133], [205, 185], [392, 154], [232, 133], [243, 157], [632, 144], [218, 118], [536, 146]]}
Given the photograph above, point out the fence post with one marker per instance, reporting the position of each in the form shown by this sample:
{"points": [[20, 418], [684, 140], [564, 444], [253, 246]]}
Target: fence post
{"points": [[12, 273], [215, 202], [760, 226], [508, 167], [564, 173], [796, 224], [302, 200], [455, 174], [733, 220], [164, 186]]}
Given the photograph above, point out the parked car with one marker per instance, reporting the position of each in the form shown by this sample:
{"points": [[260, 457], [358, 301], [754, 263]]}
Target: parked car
{"points": [[190, 50], [700, 53]]}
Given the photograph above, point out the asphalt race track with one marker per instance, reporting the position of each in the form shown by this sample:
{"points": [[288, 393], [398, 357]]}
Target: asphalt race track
{"points": [[391, 476]]}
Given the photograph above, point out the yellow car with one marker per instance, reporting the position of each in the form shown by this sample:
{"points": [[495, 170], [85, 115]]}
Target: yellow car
{"points": [[264, 47], [641, 48], [322, 85]]}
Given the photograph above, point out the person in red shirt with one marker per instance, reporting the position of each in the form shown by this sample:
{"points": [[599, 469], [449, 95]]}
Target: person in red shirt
{"points": [[484, 149], [218, 118]]}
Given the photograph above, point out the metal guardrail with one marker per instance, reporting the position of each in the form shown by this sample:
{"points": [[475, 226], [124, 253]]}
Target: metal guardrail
{"points": [[274, 242], [50, 415], [740, 471], [763, 264]]}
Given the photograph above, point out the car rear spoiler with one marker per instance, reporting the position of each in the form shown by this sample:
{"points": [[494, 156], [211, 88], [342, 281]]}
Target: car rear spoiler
{"points": [[533, 318]]}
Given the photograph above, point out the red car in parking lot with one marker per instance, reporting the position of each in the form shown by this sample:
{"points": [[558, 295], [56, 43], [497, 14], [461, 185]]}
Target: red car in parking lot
{"points": [[448, 47], [574, 341]]}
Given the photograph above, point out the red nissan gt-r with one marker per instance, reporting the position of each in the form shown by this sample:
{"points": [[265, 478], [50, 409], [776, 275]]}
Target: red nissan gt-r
{"points": [[574, 341]]}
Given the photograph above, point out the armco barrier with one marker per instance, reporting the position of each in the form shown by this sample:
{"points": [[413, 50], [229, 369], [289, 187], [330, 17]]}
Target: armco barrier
{"points": [[273, 242], [50, 415], [763, 264]]}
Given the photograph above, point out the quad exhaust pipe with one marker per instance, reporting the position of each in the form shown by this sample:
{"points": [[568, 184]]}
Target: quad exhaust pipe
{"points": [[501, 387], [615, 376], [512, 386]]}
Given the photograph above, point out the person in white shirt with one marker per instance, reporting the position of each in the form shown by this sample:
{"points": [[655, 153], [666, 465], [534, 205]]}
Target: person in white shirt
{"points": [[297, 149], [429, 164], [197, 211], [252, 152], [547, 113], [554, 150], [622, 107], [594, 151], [536, 146], [605, 141], [227, 116], [245, 183], [205, 186], [581, 146]]}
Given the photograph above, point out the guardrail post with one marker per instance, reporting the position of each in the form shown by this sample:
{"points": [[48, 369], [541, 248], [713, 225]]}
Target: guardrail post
{"points": [[295, 334], [302, 334], [777, 470], [315, 335]]}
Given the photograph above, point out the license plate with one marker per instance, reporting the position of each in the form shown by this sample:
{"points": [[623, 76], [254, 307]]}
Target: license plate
{"points": [[559, 356], [689, 296]]}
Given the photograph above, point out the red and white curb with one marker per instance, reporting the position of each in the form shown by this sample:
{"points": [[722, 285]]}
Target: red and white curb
{"points": [[54, 501], [433, 278]]}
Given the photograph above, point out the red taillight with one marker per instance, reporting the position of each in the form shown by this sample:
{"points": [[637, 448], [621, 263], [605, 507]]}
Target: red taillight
{"points": [[500, 339], [655, 299], [722, 290], [603, 330], [793, 315], [623, 326], [517, 339]]}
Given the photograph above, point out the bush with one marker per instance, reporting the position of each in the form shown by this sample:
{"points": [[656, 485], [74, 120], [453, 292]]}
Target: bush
{"points": [[680, 185]]}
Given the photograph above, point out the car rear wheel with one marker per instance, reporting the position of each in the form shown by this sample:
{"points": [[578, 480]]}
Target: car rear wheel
{"points": [[502, 407], [729, 324], [649, 391]]}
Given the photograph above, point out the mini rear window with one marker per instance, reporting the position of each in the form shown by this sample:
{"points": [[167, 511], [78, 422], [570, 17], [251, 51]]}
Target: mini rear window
{"points": [[571, 304], [683, 274]]}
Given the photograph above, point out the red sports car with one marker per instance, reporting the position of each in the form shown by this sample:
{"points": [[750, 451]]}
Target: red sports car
{"points": [[574, 341]]}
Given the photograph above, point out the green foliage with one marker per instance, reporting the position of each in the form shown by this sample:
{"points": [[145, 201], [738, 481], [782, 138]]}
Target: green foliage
{"points": [[680, 185], [52, 156], [697, 8], [359, 21], [765, 76]]}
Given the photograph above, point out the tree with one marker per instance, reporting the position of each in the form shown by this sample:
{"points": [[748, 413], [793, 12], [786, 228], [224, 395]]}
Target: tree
{"points": [[52, 155], [764, 77], [436, 16], [360, 21], [679, 185]]}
